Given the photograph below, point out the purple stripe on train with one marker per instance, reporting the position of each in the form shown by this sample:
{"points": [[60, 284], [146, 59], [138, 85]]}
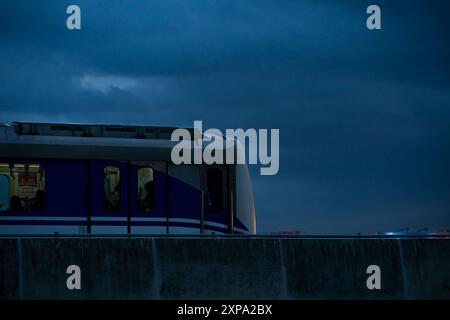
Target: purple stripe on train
{"points": [[113, 223]]}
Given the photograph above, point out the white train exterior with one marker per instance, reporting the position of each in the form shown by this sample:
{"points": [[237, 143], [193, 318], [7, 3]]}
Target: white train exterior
{"points": [[76, 179]]}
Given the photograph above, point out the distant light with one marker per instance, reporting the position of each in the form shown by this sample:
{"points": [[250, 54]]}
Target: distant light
{"points": [[286, 233]]}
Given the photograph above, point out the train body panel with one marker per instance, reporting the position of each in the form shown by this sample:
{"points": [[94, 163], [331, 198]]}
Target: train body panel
{"points": [[245, 209], [74, 185]]}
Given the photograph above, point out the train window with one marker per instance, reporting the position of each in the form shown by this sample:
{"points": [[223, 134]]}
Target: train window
{"points": [[22, 187], [146, 189], [215, 190], [111, 185]]}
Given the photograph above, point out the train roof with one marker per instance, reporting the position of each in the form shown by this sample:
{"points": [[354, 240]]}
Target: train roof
{"points": [[95, 130], [86, 141]]}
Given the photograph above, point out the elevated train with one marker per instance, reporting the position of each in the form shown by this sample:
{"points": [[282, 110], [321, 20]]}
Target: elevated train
{"points": [[77, 179]]}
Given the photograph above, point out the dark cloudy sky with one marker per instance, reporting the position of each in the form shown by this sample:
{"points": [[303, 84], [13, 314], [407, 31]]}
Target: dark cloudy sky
{"points": [[364, 116]]}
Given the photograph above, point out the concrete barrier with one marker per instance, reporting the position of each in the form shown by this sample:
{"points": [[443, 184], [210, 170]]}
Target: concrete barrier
{"points": [[224, 268]]}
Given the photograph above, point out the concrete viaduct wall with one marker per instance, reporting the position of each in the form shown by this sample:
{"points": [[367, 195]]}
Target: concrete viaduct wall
{"points": [[224, 268]]}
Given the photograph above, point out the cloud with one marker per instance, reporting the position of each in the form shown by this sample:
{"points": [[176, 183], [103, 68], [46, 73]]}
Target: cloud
{"points": [[105, 84]]}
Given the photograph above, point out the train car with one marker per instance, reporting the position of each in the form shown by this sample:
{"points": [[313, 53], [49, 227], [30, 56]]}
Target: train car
{"points": [[77, 179]]}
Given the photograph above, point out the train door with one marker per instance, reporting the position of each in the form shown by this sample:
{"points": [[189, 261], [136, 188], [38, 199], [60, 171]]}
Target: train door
{"points": [[217, 209], [184, 199], [148, 195], [4, 192], [109, 197]]}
